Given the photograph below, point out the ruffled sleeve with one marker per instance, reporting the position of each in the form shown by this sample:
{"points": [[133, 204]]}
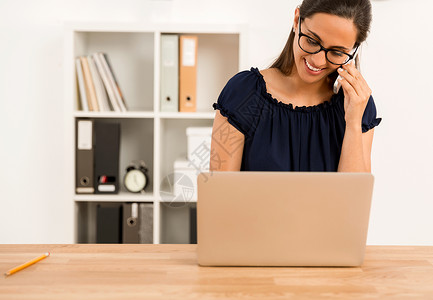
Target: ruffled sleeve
{"points": [[369, 119], [240, 102]]}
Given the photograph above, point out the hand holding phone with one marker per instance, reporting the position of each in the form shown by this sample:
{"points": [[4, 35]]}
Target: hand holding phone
{"points": [[337, 83]]}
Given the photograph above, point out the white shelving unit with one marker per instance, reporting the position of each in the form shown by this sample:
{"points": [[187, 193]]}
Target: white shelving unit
{"points": [[146, 133]]}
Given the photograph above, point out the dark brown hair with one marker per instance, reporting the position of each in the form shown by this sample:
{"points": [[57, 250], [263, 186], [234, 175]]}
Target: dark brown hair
{"points": [[357, 10]]}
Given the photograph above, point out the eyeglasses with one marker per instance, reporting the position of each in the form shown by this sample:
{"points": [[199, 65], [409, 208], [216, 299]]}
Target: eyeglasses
{"points": [[311, 46]]}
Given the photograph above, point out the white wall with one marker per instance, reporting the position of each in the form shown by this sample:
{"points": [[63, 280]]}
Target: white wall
{"points": [[396, 63]]}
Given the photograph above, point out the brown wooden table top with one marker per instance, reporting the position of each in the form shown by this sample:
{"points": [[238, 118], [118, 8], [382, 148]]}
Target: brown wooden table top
{"points": [[89, 271]]}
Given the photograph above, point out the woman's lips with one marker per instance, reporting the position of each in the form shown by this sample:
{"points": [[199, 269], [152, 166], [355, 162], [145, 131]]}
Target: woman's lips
{"points": [[311, 71]]}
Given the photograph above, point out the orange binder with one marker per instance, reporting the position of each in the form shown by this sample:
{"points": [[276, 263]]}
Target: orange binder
{"points": [[188, 73]]}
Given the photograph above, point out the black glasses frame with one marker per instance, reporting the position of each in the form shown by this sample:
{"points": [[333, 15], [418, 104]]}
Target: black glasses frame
{"points": [[300, 34]]}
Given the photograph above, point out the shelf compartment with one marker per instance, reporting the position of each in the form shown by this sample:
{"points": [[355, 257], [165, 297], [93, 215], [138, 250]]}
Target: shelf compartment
{"points": [[175, 223], [86, 219], [131, 55], [136, 143], [217, 61], [174, 143]]}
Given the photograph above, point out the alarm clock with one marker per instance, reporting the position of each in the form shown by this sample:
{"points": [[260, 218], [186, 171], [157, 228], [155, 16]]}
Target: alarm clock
{"points": [[136, 178]]}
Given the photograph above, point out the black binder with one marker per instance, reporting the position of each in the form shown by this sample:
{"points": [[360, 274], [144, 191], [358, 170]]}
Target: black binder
{"points": [[109, 223], [106, 157], [193, 225], [84, 153], [131, 223]]}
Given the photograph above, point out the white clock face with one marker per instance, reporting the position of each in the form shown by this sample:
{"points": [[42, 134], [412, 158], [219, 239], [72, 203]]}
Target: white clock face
{"points": [[135, 180]]}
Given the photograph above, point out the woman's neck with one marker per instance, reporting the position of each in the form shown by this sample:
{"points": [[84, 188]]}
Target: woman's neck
{"points": [[317, 90]]}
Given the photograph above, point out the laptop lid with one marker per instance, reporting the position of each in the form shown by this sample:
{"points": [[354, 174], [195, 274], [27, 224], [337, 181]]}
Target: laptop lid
{"points": [[282, 218]]}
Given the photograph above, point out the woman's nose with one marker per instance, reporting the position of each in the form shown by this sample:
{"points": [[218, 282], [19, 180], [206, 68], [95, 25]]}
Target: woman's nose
{"points": [[319, 59]]}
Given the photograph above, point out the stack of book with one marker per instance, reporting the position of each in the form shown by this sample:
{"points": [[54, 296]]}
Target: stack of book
{"points": [[98, 87]]}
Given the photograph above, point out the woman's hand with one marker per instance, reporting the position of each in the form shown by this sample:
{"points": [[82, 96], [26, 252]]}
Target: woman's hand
{"points": [[356, 94]]}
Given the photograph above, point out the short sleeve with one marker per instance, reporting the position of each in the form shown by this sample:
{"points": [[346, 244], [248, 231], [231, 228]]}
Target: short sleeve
{"points": [[240, 102], [369, 119]]}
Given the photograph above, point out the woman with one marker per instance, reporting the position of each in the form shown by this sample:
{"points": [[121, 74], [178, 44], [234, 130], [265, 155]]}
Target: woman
{"points": [[287, 117]]}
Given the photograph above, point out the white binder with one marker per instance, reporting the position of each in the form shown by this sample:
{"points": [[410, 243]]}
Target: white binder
{"points": [[169, 98]]}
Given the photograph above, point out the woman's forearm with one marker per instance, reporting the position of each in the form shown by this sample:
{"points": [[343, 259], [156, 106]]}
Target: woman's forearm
{"points": [[352, 156]]}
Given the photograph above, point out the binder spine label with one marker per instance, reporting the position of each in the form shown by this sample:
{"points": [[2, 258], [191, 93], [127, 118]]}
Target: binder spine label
{"points": [[84, 135], [134, 210], [107, 188], [188, 57]]}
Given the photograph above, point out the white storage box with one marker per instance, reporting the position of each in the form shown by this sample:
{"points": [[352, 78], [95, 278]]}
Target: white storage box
{"points": [[185, 180], [199, 142]]}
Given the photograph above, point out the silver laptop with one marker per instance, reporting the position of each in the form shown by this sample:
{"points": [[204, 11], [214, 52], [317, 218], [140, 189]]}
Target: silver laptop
{"points": [[282, 218]]}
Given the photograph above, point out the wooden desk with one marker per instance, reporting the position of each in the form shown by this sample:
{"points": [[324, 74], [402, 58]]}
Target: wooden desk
{"points": [[171, 272]]}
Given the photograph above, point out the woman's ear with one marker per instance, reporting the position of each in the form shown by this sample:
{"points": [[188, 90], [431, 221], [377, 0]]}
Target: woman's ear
{"points": [[296, 18]]}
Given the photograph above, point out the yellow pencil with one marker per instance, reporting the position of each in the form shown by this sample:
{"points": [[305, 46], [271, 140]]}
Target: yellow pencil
{"points": [[25, 265]]}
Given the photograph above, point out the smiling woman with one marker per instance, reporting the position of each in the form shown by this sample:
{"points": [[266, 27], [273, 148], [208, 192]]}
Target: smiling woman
{"points": [[286, 117]]}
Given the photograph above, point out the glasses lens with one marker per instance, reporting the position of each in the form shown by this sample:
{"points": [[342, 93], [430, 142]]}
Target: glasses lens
{"points": [[308, 44], [337, 57]]}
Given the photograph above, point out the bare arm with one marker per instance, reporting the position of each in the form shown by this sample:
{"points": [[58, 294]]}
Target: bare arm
{"points": [[356, 151], [227, 145]]}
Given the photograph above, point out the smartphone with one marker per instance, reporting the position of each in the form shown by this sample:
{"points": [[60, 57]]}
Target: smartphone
{"points": [[337, 84]]}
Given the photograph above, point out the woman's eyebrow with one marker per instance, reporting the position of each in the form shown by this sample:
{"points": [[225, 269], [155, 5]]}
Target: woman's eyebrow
{"points": [[320, 40]]}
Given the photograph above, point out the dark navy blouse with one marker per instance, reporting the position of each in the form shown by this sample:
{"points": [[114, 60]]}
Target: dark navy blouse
{"points": [[280, 137]]}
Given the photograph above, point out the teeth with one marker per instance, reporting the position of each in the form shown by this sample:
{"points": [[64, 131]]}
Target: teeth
{"points": [[311, 67]]}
